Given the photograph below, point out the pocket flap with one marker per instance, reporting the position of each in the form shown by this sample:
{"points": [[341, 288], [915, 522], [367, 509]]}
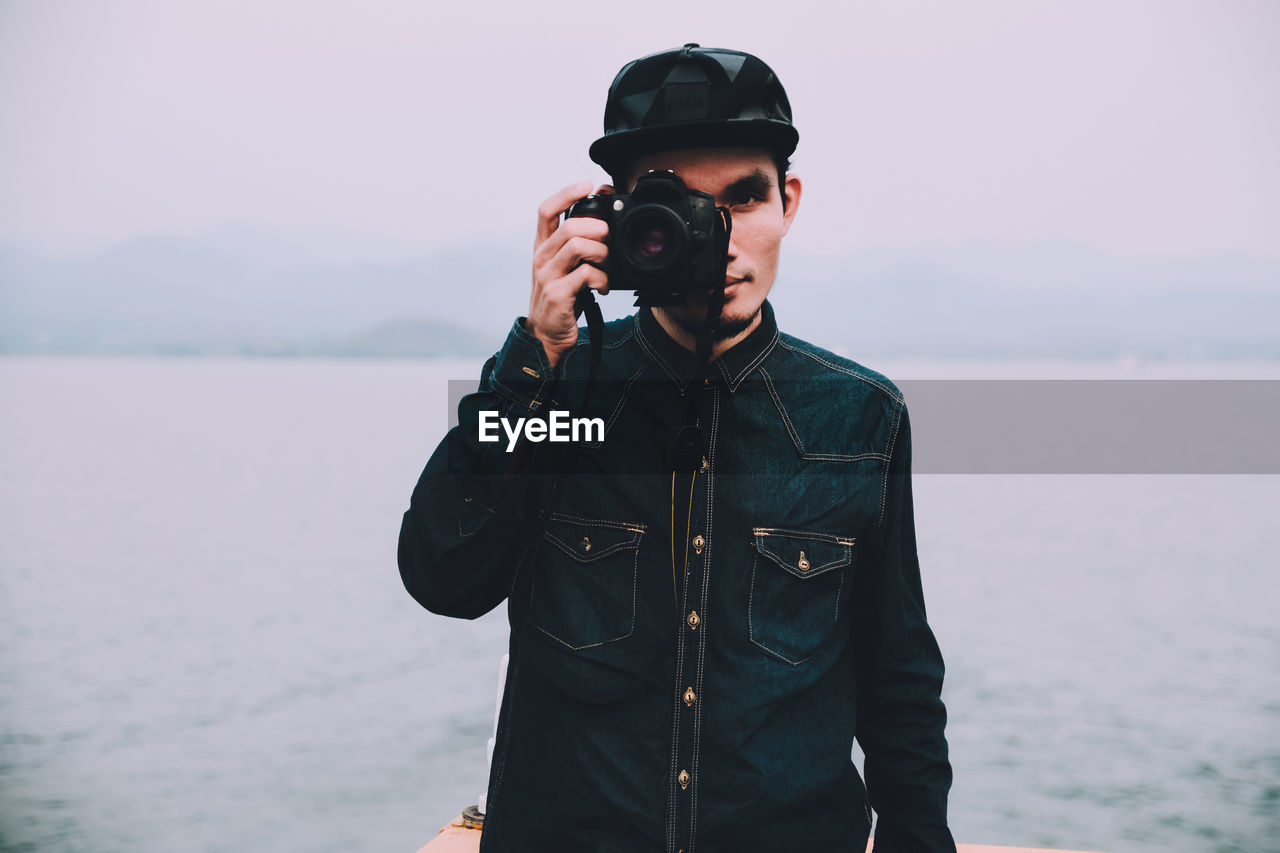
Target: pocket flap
{"points": [[589, 539], [804, 554]]}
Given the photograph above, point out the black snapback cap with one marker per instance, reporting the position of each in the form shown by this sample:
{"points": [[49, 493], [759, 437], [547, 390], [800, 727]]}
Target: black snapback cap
{"points": [[694, 97]]}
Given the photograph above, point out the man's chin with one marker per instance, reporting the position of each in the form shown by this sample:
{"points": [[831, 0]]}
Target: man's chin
{"points": [[693, 319], [731, 327]]}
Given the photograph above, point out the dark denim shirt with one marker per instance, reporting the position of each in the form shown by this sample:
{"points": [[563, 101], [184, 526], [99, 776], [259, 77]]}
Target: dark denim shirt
{"points": [[694, 684]]}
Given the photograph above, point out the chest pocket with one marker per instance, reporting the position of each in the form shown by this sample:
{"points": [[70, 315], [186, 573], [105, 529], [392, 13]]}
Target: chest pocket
{"points": [[584, 584], [797, 583]]}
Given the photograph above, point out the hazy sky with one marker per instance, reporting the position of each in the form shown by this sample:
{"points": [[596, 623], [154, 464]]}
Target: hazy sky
{"points": [[1140, 127]]}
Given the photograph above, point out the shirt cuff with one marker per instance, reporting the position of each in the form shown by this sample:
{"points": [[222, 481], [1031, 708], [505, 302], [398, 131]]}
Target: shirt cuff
{"points": [[521, 373]]}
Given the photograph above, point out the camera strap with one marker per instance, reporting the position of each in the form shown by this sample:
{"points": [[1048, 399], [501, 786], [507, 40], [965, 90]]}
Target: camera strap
{"points": [[586, 303], [690, 445]]}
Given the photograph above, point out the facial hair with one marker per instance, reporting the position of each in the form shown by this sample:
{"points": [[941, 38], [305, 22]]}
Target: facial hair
{"points": [[728, 328]]}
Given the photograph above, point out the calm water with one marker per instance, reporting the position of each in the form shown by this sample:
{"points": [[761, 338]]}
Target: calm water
{"points": [[205, 646]]}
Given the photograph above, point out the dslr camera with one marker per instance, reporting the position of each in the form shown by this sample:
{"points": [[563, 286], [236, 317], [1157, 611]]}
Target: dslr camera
{"points": [[665, 239]]}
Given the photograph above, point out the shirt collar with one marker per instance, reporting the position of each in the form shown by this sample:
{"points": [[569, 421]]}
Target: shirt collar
{"points": [[733, 366]]}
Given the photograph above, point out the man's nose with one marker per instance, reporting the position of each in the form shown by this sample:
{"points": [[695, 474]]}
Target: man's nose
{"points": [[733, 247]]}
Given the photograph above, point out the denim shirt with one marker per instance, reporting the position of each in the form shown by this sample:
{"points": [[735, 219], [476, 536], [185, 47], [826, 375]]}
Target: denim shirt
{"points": [[697, 683]]}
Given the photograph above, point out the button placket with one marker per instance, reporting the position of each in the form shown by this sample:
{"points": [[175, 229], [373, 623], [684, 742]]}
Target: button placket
{"points": [[691, 651]]}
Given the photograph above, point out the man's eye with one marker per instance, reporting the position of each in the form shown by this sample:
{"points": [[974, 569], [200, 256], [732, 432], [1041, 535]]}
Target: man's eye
{"points": [[745, 198]]}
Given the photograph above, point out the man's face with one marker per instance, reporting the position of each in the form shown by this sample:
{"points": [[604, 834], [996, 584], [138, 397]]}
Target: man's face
{"points": [[746, 181]]}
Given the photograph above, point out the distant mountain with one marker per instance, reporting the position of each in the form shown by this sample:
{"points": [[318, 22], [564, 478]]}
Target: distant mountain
{"points": [[245, 293], [400, 338], [170, 295], [1045, 300]]}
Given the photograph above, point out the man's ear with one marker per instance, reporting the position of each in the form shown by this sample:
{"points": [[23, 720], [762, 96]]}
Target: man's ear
{"points": [[791, 188]]}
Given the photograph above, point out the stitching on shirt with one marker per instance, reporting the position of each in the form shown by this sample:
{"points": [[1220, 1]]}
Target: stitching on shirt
{"points": [[894, 395], [812, 571], [462, 534], [543, 371], [702, 646], [579, 557], [673, 796], [635, 572], [788, 661], [481, 504], [782, 410], [762, 551], [653, 353], [848, 542], [517, 397], [768, 348], [807, 534], [564, 362], [839, 592], [751, 630], [479, 524], [795, 435], [623, 399], [884, 486], [840, 457], [619, 342], [672, 804], [571, 548], [634, 526], [584, 342], [505, 731]]}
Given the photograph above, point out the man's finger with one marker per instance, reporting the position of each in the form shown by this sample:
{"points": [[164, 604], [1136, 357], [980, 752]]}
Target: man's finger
{"points": [[549, 211], [592, 229], [576, 250], [585, 276]]}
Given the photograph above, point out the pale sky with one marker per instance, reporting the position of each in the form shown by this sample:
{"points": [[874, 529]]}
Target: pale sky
{"points": [[1145, 128]]}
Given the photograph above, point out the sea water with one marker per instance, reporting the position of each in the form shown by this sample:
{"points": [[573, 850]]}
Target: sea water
{"points": [[205, 644]]}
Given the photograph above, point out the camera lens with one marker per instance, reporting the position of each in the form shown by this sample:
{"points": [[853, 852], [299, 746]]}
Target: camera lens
{"points": [[654, 242], [653, 238]]}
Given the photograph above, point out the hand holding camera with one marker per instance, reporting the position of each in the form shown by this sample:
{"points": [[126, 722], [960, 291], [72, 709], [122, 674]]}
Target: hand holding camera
{"points": [[661, 240], [566, 257]]}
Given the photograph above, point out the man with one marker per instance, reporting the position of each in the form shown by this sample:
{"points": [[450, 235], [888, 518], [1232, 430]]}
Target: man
{"points": [[695, 644]]}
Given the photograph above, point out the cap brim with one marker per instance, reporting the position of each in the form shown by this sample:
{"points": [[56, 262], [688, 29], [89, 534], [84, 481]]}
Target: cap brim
{"points": [[617, 149]]}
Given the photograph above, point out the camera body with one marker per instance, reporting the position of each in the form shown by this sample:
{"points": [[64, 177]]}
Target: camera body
{"points": [[665, 239]]}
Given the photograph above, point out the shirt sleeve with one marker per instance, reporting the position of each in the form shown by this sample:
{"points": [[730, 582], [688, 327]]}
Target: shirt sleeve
{"points": [[901, 716], [476, 506]]}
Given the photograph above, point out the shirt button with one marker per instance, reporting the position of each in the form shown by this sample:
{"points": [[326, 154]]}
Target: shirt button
{"points": [[693, 619], [698, 544], [702, 469], [689, 696], [586, 544], [804, 562], [684, 779]]}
